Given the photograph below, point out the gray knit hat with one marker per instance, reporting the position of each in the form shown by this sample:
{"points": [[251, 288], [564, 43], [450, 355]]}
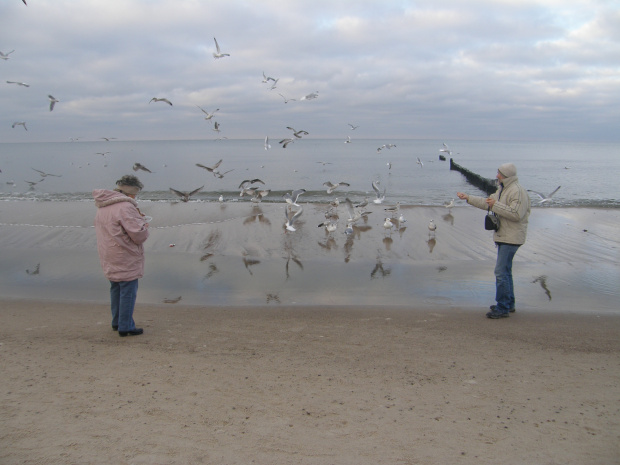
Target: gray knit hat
{"points": [[507, 170]]}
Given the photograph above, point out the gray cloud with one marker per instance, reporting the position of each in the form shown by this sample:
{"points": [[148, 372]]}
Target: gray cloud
{"points": [[483, 69]]}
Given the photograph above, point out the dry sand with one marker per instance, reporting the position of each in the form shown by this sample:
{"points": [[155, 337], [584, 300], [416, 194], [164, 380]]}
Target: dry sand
{"points": [[306, 386]]}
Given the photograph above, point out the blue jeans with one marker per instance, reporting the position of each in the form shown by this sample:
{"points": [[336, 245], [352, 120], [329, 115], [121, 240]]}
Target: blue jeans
{"points": [[123, 299], [504, 289]]}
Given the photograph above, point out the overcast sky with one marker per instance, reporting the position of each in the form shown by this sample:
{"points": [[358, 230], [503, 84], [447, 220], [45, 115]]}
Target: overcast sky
{"points": [[434, 69]]}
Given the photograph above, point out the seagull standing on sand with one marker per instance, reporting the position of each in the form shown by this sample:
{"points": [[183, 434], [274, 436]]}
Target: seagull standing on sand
{"points": [[329, 225], [331, 187], [432, 227], [19, 123], [544, 198], [165, 100], [53, 101], [393, 209], [218, 53], [5, 56], [185, 195]]}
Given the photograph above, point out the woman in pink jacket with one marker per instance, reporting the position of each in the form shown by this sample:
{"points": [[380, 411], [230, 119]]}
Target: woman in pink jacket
{"points": [[121, 231]]}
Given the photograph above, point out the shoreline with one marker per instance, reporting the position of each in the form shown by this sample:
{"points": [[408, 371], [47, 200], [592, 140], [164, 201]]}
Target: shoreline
{"points": [[237, 254], [312, 386]]}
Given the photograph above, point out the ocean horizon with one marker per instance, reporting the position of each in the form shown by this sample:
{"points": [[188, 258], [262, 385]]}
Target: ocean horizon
{"points": [[409, 170]]}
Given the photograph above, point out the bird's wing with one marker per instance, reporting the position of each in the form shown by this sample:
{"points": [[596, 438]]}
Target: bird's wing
{"points": [[217, 46], [556, 189], [196, 190], [179, 193]]}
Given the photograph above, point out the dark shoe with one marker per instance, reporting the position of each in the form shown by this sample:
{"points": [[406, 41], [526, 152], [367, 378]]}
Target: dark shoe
{"points": [[133, 332], [496, 315], [114, 328], [493, 307]]}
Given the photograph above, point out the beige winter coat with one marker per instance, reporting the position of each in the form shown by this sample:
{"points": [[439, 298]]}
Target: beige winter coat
{"points": [[512, 205]]}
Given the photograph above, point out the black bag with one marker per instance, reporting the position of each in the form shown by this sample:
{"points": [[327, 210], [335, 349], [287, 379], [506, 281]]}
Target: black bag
{"points": [[491, 221]]}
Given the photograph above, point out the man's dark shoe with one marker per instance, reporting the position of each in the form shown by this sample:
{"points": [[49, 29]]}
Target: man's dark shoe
{"points": [[496, 315], [133, 332], [114, 328], [493, 307]]}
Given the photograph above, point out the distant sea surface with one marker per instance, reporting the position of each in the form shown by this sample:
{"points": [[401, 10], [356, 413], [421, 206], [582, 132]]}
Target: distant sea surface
{"points": [[587, 172]]}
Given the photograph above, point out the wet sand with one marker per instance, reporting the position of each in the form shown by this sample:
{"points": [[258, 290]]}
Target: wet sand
{"points": [[238, 254]]}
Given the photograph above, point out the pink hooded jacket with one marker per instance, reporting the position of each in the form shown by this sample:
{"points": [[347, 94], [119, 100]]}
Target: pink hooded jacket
{"points": [[121, 231]]}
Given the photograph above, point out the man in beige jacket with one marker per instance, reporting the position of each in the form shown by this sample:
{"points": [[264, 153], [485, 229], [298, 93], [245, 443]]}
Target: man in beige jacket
{"points": [[511, 204]]}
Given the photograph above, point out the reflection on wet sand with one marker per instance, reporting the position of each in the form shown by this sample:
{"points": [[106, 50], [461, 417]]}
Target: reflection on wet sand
{"points": [[543, 283], [431, 244]]}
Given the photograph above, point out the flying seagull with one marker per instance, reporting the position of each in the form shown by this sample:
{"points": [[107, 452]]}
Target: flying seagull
{"points": [[19, 123], [138, 166], [290, 218], [23, 84], [297, 133], [266, 78], [53, 101], [544, 198], [165, 100], [446, 149], [285, 142], [267, 145], [44, 174], [380, 195], [331, 187], [286, 100], [310, 96], [5, 56], [210, 169], [353, 128], [219, 54], [293, 196], [209, 115], [185, 195]]}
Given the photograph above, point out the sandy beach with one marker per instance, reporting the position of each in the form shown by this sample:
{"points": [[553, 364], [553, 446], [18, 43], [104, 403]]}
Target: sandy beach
{"points": [[268, 347], [306, 386]]}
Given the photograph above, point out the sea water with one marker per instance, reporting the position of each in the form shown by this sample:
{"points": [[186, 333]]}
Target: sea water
{"points": [[410, 171]]}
